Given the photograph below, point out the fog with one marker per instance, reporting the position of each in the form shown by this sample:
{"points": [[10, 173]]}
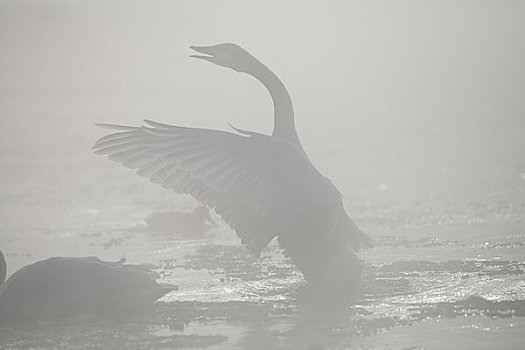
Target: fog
{"points": [[404, 84], [414, 109]]}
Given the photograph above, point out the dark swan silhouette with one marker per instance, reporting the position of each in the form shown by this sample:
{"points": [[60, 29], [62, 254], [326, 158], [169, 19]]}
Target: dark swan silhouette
{"points": [[63, 287], [262, 186]]}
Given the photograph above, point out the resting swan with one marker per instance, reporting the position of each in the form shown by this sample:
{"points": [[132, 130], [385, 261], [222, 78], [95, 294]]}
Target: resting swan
{"points": [[180, 224], [67, 287], [262, 186]]}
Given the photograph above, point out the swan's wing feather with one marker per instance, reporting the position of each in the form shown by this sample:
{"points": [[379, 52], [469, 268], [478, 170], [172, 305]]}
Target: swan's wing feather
{"points": [[244, 178]]}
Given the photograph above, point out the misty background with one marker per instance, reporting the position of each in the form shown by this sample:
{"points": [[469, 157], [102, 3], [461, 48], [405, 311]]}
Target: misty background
{"points": [[414, 109], [406, 106]]}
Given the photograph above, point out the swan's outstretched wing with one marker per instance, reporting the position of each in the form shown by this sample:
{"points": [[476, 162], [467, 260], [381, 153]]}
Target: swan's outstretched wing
{"points": [[256, 183]]}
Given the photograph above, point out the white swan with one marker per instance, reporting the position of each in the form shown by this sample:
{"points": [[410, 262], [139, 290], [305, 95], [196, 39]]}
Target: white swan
{"points": [[262, 186], [67, 287], [235, 57]]}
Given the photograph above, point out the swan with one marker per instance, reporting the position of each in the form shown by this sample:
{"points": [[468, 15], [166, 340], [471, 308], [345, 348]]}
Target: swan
{"points": [[185, 225], [63, 287], [235, 57], [262, 186]]}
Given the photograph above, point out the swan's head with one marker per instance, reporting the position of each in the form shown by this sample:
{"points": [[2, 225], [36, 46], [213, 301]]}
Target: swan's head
{"points": [[227, 55]]}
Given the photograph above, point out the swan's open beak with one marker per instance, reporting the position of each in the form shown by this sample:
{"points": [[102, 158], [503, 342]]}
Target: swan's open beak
{"points": [[207, 50]]}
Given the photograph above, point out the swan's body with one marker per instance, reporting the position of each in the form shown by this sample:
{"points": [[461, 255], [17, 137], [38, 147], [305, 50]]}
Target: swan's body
{"points": [[181, 224], [63, 287], [262, 186]]}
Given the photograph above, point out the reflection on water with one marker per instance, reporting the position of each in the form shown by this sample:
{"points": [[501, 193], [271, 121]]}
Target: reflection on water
{"points": [[439, 276], [230, 299], [428, 150]]}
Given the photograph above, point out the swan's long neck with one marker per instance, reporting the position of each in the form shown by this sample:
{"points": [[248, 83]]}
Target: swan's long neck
{"points": [[284, 125], [3, 269]]}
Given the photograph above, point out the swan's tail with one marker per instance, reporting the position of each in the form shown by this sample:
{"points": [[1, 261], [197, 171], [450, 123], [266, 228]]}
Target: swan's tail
{"points": [[363, 241], [165, 289], [3, 269], [357, 239]]}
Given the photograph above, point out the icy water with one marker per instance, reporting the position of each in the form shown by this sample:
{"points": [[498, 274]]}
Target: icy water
{"points": [[440, 275], [415, 110]]}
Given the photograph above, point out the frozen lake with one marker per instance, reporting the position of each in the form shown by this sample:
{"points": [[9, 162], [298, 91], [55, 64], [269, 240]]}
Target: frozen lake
{"points": [[447, 269], [415, 111]]}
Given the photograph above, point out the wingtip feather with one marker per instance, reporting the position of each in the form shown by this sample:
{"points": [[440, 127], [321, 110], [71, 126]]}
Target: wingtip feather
{"points": [[115, 127]]}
